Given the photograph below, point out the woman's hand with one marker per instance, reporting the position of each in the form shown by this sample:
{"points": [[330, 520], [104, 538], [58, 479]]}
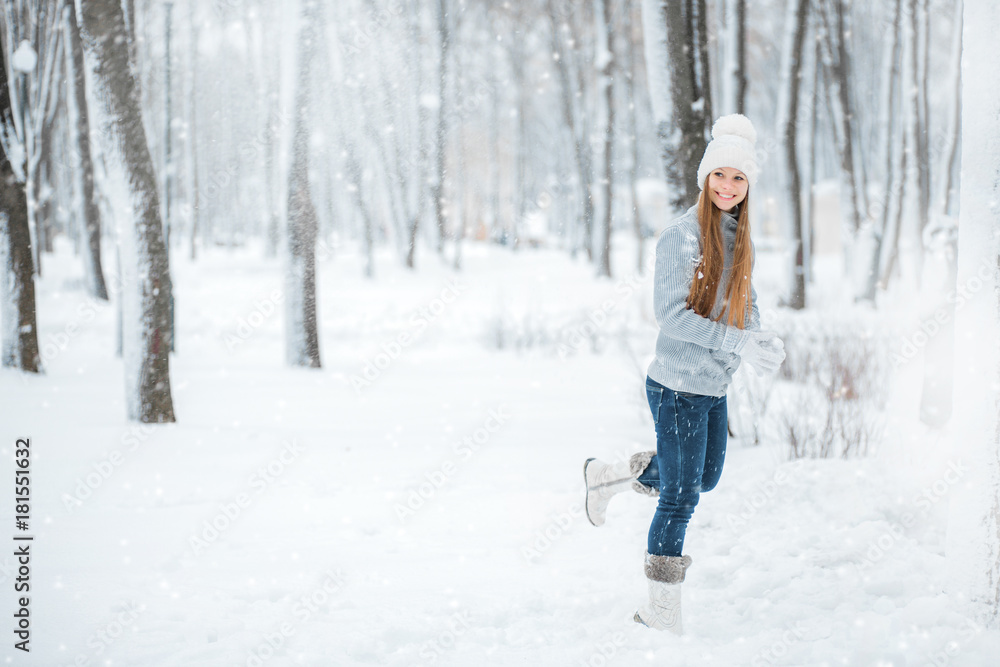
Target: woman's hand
{"points": [[764, 351]]}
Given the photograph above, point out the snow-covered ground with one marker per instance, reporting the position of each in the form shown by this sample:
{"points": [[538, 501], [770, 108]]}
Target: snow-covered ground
{"points": [[427, 508]]}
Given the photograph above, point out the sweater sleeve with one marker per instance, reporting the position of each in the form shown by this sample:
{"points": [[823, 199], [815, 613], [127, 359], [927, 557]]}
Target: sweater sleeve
{"points": [[677, 255]]}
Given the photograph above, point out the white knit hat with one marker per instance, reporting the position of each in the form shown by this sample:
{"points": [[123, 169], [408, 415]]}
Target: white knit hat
{"points": [[733, 145]]}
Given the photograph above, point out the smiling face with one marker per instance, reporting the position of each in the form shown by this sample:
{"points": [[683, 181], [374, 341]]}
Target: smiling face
{"points": [[727, 187]]}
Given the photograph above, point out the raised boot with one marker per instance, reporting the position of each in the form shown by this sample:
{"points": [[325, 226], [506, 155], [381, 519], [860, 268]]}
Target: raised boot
{"points": [[605, 480], [665, 575]]}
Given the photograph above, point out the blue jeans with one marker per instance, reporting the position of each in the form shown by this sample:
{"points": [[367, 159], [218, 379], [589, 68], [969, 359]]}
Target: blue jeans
{"points": [[691, 432]]}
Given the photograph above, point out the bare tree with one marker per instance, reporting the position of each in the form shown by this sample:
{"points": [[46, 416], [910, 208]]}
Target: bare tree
{"points": [[889, 84], [415, 12], [676, 58], [83, 169], [917, 121], [631, 103], [441, 136], [796, 24], [17, 278], [194, 187], [606, 65], [834, 36], [301, 330], [949, 156], [147, 334], [565, 47], [735, 57]]}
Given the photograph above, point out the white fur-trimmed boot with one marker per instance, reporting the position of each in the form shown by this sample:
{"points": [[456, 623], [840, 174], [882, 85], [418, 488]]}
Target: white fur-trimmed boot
{"points": [[665, 574], [605, 480]]}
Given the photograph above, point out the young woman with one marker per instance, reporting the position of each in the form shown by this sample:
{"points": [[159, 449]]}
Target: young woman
{"points": [[706, 308]]}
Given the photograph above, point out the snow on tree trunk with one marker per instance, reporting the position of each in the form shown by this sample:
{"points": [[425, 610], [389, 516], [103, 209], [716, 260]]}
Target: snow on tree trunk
{"points": [[146, 311], [676, 61], [973, 539], [301, 333], [83, 169], [796, 22]]}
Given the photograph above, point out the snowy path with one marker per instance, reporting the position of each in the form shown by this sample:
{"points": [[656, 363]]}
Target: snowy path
{"points": [[807, 563]]}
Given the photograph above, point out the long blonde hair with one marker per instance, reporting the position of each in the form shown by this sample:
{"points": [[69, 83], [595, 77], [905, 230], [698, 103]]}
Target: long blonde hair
{"points": [[708, 273]]}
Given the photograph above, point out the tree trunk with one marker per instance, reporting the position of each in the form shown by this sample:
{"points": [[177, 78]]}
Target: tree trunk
{"points": [[302, 334], [631, 102], [577, 127], [441, 136], [892, 259], [83, 169], [17, 281], [606, 59], [674, 29], [423, 119], [837, 63], [917, 130], [796, 23], [739, 73], [950, 154], [17, 277], [194, 188], [973, 538], [890, 79], [810, 240], [147, 333]]}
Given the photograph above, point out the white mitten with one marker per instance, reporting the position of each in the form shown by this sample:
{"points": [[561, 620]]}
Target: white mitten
{"points": [[764, 351]]}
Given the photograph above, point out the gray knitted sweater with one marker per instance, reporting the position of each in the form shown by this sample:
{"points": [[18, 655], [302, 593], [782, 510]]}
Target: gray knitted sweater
{"points": [[694, 354]]}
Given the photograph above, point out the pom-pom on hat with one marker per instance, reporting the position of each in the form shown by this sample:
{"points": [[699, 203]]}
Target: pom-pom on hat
{"points": [[733, 145]]}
